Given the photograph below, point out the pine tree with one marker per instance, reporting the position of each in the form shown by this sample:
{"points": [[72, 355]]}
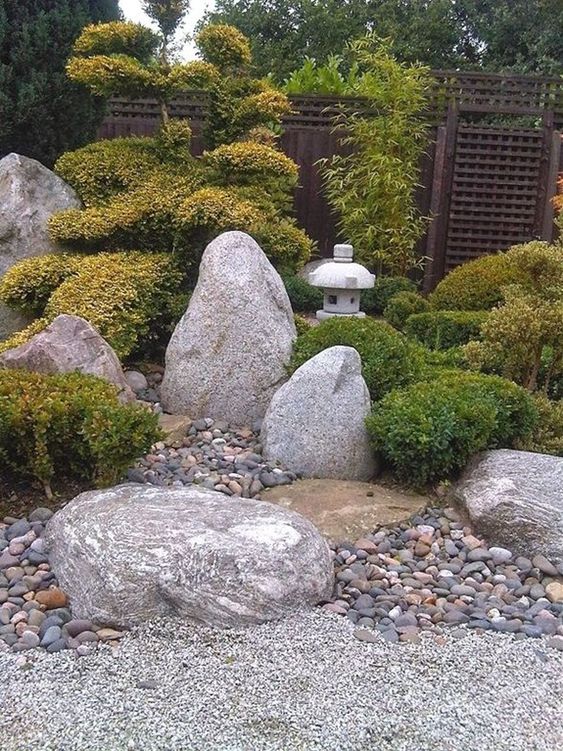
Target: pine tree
{"points": [[42, 113]]}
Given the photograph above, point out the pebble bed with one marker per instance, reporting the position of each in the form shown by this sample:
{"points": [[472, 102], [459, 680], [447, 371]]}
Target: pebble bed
{"points": [[299, 684], [214, 455]]}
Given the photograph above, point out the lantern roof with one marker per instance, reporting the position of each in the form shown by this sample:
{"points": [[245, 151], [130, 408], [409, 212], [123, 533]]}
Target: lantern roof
{"points": [[342, 272]]}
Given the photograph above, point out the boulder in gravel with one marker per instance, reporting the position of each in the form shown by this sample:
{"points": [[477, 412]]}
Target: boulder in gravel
{"points": [[127, 554], [68, 344], [515, 499], [29, 194], [315, 424], [228, 353]]}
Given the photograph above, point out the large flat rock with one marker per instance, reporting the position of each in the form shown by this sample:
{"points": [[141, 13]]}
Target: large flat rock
{"points": [[515, 499], [344, 509], [128, 554]]}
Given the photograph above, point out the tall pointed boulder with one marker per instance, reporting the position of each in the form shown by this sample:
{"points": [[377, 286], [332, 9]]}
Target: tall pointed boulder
{"points": [[228, 353]]}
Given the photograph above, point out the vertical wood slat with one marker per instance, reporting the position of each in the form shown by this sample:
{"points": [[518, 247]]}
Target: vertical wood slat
{"points": [[555, 166]]}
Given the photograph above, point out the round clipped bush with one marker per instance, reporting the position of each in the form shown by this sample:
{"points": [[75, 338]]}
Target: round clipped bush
{"points": [[430, 430], [70, 426], [477, 285], [375, 300], [286, 245], [28, 285], [117, 38], [103, 169], [443, 329], [401, 306], [251, 162], [224, 46], [303, 296], [389, 360]]}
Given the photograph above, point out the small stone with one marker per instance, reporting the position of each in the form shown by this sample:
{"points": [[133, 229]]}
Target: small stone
{"points": [[51, 598], [478, 554], [544, 565], [554, 591], [556, 642], [500, 555], [52, 635], [31, 639], [363, 634], [107, 634], [77, 626], [57, 646]]}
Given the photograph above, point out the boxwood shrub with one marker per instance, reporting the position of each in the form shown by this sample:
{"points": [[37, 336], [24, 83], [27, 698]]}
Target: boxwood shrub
{"points": [[401, 306], [71, 425], [443, 329], [429, 430], [389, 359], [376, 299], [303, 296], [477, 285]]}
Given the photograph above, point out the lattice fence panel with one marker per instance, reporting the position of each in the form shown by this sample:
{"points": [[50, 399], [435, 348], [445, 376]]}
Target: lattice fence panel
{"points": [[494, 191]]}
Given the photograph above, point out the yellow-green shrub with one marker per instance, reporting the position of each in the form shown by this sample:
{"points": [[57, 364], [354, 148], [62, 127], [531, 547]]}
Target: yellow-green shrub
{"points": [[126, 296], [477, 285], [224, 46], [262, 108], [117, 38], [288, 247], [114, 75], [250, 162], [28, 285], [23, 336], [69, 426], [547, 436], [196, 74], [103, 169]]}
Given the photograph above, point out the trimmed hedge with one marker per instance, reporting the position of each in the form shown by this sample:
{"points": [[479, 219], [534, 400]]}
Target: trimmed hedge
{"points": [[303, 296], [389, 360], [477, 285], [430, 430], [29, 284], [443, 329], [401, 306], [70, 426], [376, 299]]}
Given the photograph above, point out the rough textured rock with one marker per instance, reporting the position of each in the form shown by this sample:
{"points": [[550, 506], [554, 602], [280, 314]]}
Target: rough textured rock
{"points": [[515, 499], [344, 509], [29, 194], [228, 353], [69, 343], [315, 422], [131, 553], [174, 427]]}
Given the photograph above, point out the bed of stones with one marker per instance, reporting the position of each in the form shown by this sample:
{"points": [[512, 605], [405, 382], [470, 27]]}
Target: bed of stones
{"points": [[215, 455], [424, 577], [431, 574]]}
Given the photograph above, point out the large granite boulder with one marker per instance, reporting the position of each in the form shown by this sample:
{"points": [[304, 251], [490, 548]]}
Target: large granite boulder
{"points": [[515, 499], [29, 194], [69, 343], [315, 424], [127, 554], [228, 353]]}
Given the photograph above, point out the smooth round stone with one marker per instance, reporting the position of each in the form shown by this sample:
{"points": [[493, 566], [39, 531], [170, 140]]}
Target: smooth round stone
{"points": [[57, 646], [544, 565], [362, 634], [41, 514], [500, 555], [31, 639], [18, 529], [51, 635], [77, 626], [390, 635]]}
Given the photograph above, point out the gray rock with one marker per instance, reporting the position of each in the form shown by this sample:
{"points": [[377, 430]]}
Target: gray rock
{"points": [[29, 194], [515, 499], [315, 424], [136, 380], [206, 558], [69, 343], [228, 353]]}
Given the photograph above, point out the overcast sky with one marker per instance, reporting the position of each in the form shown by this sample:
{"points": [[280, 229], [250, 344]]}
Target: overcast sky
{"points": [[132, 11]]}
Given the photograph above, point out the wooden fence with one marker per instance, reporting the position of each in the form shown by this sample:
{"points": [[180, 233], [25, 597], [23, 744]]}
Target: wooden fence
{"points": [[486, 185]]}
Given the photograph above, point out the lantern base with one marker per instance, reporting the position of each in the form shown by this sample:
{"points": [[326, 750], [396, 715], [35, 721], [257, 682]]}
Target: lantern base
{"points": [[322, 315]]}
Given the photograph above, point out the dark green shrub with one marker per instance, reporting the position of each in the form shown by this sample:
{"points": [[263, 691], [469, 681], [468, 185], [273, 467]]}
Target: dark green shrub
{"points": [[401, 306], [70, 426], [303, 296], [375, 300], [443, 329], [476, 285], [389, 360], [429, 430]]}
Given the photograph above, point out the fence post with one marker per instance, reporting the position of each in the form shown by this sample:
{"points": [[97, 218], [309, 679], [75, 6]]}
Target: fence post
{"points": [[440, 200], [547, 229]]}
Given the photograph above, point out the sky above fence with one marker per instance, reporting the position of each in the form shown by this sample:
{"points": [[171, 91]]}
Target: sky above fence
{"points": [[132, 9]]}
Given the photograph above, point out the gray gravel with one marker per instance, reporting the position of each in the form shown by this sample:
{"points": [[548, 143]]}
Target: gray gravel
{"points": [[302, 683]]}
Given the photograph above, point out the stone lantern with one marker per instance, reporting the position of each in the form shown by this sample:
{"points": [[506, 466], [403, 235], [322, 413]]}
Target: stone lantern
{"points": [[341, 280]]}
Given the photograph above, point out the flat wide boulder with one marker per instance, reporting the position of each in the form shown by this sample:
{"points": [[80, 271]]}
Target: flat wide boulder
{"points": [[128, 554], [227, 355], [315, 424], [29, 195], [515, 500], [69, 344]]}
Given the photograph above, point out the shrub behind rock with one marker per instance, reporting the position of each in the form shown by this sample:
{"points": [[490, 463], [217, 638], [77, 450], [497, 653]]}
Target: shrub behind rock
{"points": [[72, 426], [389, 360]]}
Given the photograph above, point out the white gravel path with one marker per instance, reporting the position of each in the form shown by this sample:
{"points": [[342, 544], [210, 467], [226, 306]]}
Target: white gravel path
{"points": [[302, 684]]}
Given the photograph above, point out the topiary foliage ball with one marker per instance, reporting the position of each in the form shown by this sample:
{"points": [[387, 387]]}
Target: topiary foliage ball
{"points": [[224, 46]]}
